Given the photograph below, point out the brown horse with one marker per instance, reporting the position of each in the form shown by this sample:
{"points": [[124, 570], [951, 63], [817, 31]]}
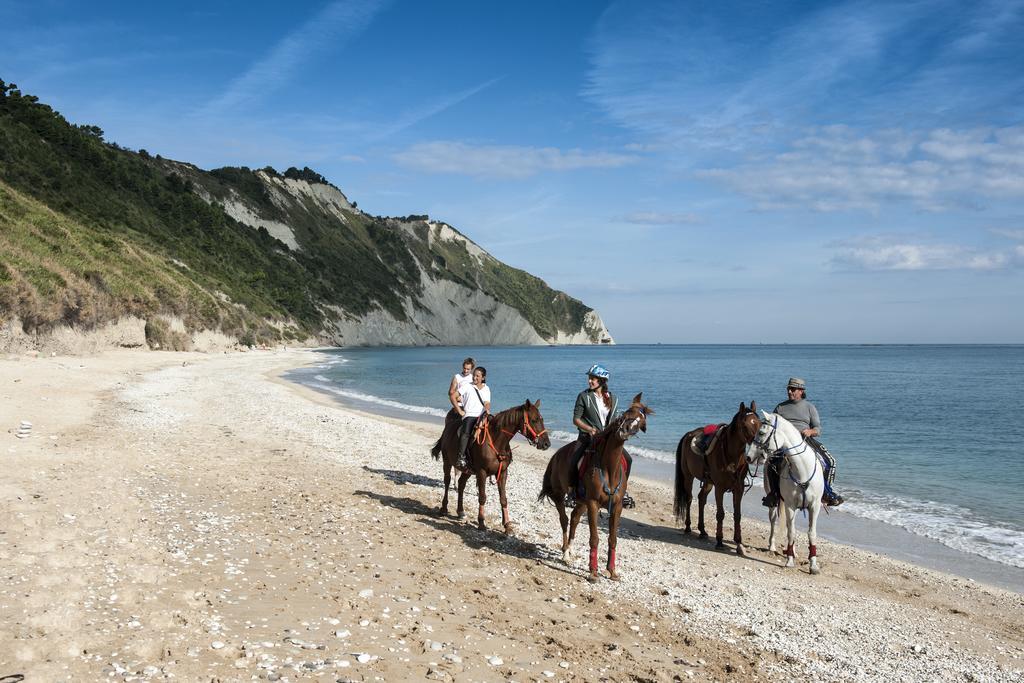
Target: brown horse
{"points": [[725, 468], [605, 482], [491, 456]]}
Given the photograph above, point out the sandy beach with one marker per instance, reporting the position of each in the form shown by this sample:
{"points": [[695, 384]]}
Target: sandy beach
{"points": [[196, 517]]}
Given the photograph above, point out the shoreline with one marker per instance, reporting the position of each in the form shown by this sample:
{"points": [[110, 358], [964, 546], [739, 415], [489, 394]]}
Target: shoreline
{"points": [[188, 516], [891, 541]]}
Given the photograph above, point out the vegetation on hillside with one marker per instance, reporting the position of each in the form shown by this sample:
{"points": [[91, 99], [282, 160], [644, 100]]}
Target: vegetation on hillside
{"points": [[92, 231]]}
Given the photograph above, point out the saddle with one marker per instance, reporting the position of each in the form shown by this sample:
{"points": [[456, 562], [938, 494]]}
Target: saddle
{"points": [[704, 442]]}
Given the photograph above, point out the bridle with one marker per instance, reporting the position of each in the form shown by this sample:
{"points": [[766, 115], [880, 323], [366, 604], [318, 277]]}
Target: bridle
{"points": [[787, 452], [634, 425], [527, 429]]}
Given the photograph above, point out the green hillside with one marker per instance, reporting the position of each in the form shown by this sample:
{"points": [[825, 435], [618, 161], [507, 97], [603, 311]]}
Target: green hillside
{"points": [[90, 232]]}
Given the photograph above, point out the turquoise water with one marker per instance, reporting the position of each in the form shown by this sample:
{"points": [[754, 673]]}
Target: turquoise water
{"points": [[928, 438]]}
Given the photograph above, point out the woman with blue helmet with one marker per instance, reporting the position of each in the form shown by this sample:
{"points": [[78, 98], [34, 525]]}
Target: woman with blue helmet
{"points": [[594, 410]]}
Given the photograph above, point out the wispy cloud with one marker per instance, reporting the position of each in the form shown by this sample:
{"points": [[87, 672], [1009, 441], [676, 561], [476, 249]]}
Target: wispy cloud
{"points": [[837, 169], [427, 110], [880, 252], [692, 76], [661, 218], [330, 28], [503, 161]]}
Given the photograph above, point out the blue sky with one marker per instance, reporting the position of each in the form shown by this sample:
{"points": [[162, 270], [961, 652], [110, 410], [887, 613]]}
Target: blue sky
{"points": [[698, 172]]}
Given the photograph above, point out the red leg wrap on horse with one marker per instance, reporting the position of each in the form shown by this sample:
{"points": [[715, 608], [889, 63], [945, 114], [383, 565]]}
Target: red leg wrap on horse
{"points": [[789, 551], [814, 550], [593, 560], [611, 560]]}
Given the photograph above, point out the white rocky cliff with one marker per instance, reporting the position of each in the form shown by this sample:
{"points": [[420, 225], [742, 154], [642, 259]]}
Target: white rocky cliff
{"points": [[443, 312]]}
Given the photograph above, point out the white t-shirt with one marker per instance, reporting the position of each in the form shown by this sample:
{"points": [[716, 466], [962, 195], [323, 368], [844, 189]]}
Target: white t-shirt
{"points": [[460, 382], [602, 409], [470, 402]]}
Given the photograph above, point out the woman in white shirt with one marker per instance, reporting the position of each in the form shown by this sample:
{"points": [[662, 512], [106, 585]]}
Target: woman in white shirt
{"points": [[475, 400]]}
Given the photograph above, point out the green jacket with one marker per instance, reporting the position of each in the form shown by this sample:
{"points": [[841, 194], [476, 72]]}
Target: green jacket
{"points": [[586, 409]]}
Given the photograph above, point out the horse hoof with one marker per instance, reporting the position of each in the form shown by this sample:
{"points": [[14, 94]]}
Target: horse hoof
{"points": [[613, 577], [592, 578], [703, 535], [442, 512], [719, 545], [461, 515], [741, 551], [815, 569], [566, 558]]}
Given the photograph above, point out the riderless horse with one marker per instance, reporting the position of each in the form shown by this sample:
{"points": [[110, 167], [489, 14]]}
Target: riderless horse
{"points": [[605, 482], [801, 482], [724, 467], [490, 455]]}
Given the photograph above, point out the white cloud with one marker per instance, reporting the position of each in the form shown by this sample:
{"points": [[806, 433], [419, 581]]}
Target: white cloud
{"points": [[887, 253], [503, 161], [837, 169], [661, 218]]}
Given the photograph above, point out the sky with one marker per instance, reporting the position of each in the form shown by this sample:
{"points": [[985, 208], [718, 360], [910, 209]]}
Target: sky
{"points": [[726, 172]]}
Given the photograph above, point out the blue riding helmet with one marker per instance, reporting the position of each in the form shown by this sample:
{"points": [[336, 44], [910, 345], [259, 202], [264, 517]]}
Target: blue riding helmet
{"points": [[598, 371]]}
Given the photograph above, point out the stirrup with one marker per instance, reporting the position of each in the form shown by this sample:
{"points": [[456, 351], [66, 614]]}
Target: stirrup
{"points": [[833, 500], [570, 500], [627, 501], [771, 500]]}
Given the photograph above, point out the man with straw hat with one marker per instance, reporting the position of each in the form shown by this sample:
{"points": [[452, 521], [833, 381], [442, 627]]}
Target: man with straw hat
{"points": [[804, 416]]}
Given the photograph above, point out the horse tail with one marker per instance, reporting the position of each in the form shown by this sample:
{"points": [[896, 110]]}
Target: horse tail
{"points": [[436, 450], [545, 489], [678, 500]]}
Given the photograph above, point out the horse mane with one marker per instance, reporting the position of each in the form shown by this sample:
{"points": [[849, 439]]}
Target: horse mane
{"points": [[500, 418]]}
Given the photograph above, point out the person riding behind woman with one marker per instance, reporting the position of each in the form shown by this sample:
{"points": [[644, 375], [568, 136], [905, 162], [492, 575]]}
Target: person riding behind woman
{"points": [[802, 414], [474, 401], [595, 408]]}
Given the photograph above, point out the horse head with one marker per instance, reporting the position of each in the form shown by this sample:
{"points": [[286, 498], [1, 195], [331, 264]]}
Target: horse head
{"points": [[533, 426], [746, 422], [775, 434], [634, 419]]}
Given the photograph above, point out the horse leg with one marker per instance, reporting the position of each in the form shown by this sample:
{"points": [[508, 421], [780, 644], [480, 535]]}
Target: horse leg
{"points": [[773, 517], [506, 520], [463, 476], [577, 513], [812, 536], [613, 537], [687, 499], [481, 494], [719, 515], [702, 500], [447, 483], [737, 513], [563, 520], [592, 516], [790, 532]]}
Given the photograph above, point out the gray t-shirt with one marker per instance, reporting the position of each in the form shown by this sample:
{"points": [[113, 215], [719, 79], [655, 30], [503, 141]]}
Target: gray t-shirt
{"points": [[801, 413]]}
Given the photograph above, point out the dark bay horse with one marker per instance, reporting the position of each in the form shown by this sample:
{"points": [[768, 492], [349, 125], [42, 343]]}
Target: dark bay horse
{"points": [[725, 468], [605, 482], [491, 456]]}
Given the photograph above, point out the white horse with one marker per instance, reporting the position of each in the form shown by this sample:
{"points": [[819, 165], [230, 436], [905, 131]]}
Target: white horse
{"points": [[801, 482]]}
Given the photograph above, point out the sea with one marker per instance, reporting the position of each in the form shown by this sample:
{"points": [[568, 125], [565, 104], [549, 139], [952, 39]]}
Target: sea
{"points": [[928, 438]]}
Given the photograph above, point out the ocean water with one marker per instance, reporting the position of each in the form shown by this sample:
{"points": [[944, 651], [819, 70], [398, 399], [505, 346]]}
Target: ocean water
{"points": [[928, 438]]}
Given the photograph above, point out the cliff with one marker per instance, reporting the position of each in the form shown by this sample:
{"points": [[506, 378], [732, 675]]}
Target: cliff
{"points": [[93, 235]]}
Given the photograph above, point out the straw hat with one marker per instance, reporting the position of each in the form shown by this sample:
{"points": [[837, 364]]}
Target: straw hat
{"points": [[796, 383]]}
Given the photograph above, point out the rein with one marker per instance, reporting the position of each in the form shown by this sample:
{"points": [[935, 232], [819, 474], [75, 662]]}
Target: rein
{"points": [[786, 454]]}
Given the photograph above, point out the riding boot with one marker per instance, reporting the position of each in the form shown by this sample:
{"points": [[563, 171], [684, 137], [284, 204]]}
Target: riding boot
{"points": [[771, 475], [464, 436], [627, 500]]}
